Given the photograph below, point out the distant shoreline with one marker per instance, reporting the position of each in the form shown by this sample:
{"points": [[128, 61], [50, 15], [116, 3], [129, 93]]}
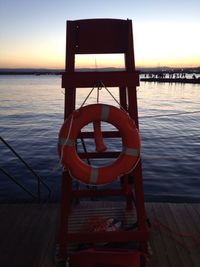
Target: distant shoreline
{"points": [[37, 73], [143, 79], [153, 71], [32, 73]]}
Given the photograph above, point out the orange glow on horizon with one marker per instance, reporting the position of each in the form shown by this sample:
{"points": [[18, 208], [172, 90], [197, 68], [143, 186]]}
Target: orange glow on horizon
{"points": [[97, 61], [47, 60], [51, 63]]}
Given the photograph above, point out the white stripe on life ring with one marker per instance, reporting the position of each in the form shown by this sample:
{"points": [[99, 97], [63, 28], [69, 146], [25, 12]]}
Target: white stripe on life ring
{"points": [[131, 151], [105, 112], [65, 142], [94, 175]]}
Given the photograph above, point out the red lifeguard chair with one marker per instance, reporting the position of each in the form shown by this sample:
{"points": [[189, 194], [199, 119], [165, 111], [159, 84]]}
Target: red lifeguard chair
{"points": [[83, 247]]}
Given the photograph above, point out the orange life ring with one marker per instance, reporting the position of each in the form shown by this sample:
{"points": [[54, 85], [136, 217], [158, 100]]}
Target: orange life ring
{"points": [[70, 130]]}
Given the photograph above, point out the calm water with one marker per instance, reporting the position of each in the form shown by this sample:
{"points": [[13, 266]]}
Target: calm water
{"points": [[31, 114]]}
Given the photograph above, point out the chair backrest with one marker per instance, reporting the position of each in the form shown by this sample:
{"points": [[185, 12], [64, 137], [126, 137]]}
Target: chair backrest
{"points": [[99, 36]]}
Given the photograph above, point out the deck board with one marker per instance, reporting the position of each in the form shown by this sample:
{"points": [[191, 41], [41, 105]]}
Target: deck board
{"points": [[174, 226], [180, 215], [27, 234], [28, 230], [159, 256], [171, 251]]}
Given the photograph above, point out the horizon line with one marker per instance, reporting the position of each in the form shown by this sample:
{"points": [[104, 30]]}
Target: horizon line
{"points": [[92, 68]]}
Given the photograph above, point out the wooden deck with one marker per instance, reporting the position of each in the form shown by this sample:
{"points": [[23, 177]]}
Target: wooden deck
{"points": [[27, 234]]}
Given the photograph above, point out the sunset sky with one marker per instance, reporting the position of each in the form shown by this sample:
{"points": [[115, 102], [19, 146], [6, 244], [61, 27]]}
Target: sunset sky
{"points": [[32, 32]]}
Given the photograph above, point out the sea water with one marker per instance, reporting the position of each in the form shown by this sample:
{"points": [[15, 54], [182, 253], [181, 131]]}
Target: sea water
{"points": [[31, 114]]}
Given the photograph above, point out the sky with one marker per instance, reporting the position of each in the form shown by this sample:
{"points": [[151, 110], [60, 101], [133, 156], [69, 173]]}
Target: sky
{"points": [[33, 32]]}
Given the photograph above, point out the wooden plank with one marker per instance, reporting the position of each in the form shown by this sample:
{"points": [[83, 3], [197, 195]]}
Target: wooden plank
{"points": [[196, 206], [39, 236], [106, 134], [152, 243], [195, 209], [100, 79], [12, 236], [27, 249], [159, 250], [99, 36], [5, 222], [96, 155], [171, 248], [178, 214], [178, 253], [192, 220], [48, 255], [29, 237]]}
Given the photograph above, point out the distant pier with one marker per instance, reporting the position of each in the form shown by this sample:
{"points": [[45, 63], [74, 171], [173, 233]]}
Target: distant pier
{"points": [[171, 80], [171, 76]]}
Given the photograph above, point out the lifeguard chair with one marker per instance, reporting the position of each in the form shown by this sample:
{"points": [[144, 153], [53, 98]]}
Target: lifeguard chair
{"points": [[77, 241]]}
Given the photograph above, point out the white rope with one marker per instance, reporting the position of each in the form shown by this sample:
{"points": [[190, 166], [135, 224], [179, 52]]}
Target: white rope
{"points": [[70, 127], [113, 97], [170, 114], [87, 97], [59, 165]]}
